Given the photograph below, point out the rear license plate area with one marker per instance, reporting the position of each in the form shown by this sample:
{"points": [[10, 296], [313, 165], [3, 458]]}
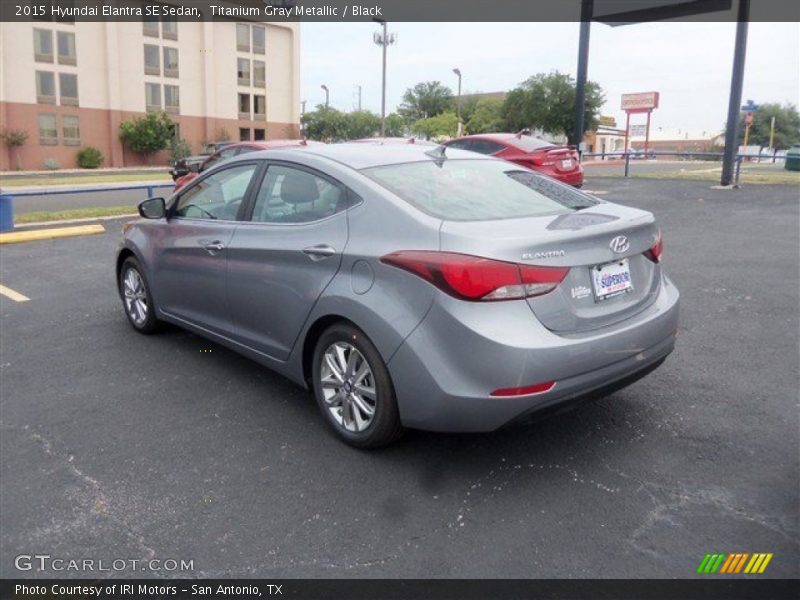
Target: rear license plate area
{"points": [[611, 279]]}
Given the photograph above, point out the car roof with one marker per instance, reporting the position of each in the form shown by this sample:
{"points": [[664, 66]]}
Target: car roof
{"points": [[363, 156]]}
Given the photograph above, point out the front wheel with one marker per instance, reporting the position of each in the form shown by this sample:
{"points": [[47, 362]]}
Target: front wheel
{"points": [[353, 388], [136, 297]]}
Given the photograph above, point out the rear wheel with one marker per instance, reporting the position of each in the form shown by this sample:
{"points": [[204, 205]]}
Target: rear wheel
{"points": [[136, 297], [353, 388]]}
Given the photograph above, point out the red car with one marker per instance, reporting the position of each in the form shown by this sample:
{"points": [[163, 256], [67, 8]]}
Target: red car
{"points": [[235, 150], [558, 161]]}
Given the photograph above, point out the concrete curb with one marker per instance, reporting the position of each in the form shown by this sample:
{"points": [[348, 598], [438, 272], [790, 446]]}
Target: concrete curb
{"points": [[19, 237]]}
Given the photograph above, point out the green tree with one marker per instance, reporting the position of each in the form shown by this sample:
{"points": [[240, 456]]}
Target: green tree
{"points": [[147, 135], [362, 124], [14, 139], [325, 124], [426, 99], [487, 116], [441, 125], [546, 101], [395, 125], [787, 126]]}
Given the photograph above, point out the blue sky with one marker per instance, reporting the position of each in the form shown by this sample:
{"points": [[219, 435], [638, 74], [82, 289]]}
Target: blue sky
{"points": [[689, 63]]}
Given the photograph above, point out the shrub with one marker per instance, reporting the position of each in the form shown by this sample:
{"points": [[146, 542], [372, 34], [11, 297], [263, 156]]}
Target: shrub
{"points": [[147, 135], [14, 139], [89, 158], [178, 149], [51, 164]]}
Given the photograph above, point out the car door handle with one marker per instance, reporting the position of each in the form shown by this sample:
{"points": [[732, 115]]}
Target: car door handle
{"points": [[213, 247], [319, 252]]}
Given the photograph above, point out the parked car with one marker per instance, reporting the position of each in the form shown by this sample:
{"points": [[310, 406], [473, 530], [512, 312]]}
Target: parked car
{"points": [[231, 150], [557, 161], [182, 166], [406, 286], [393, 140]]}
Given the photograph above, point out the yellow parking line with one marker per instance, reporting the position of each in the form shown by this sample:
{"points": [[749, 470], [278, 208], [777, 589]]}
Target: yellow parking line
{"points": [[15, 296], [17, 237]]}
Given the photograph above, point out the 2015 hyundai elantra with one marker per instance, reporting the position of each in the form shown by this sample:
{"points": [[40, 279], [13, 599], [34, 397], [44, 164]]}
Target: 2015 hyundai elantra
{"points": [[407, 286]]}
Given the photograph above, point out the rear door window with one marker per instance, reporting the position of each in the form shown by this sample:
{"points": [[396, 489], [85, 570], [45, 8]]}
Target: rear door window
{"points": [[486, 146], [292, 195]]}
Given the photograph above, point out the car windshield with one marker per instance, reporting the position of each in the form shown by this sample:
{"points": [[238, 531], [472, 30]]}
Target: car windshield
{"points": [[476, 190]]}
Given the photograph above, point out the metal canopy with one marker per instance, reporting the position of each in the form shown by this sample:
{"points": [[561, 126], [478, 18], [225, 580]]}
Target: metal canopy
{"points": [[630, 12]]}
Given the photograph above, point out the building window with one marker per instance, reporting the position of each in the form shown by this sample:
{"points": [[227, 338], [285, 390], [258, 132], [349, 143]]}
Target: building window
{"points": [[244, 134], [259, 73], [172, 100], [152, 60], [150, 26], [169, 28], [45, 87], [70, 130], [259, 135], [243, 71], [66, 48], [152, 94], [259, 39], [260, 106], [242, 37], [42, 45], [244, 106], [170, 62], [48, 134], [68, 86]]}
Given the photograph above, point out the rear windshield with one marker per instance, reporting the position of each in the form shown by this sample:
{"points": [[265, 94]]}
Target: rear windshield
{"points": [[476, 190], [527, 143]]}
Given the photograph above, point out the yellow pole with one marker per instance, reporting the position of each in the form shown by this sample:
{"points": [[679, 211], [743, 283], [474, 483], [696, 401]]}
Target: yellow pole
{"points": [[746, 135], [772, 134]]}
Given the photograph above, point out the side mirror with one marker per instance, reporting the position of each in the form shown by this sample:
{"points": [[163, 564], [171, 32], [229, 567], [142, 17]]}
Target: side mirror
{"points": [[153, 208], [195, 167]]}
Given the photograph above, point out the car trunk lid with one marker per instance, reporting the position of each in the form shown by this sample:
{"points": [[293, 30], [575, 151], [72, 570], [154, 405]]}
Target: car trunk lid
{"points": [[580, 240]]}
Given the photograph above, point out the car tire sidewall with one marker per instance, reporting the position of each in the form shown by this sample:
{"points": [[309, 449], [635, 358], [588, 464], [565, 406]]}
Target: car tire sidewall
{"points": [[385, 427], [151, 322]]}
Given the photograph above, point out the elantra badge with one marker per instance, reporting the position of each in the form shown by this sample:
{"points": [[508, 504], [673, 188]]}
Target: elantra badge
{"points": [[619, 244]]}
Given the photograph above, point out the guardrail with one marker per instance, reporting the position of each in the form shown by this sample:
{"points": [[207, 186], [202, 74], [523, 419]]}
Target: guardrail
{"points": [[628, 156], [7, 199]]}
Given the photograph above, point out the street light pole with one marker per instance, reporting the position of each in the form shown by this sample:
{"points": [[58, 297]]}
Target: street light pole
{"points": [[383, 40], [327, 94], [458, 101]]}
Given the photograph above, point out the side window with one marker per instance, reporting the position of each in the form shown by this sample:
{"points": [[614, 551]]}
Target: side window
{"points": [[461, 145], [485, 147], [289, 195], [218, 196], [219, 157]]}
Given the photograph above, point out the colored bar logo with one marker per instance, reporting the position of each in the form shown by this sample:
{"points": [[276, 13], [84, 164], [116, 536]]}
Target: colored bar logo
{"points": [[735, 563]]}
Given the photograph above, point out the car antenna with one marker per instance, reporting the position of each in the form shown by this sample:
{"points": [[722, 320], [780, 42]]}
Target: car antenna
{"points": [[437, 154]]}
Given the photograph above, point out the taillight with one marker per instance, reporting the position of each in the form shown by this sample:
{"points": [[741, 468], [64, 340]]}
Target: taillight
{"points": [[655, 252], [541, 159], [475, 278]]}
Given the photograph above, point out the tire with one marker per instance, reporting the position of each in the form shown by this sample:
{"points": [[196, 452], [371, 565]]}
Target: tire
{"points": [[137, 301], [345, 396]]}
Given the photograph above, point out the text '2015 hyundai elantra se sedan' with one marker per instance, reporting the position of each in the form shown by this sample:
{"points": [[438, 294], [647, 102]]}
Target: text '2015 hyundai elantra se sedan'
{"points": [[407, 286]]}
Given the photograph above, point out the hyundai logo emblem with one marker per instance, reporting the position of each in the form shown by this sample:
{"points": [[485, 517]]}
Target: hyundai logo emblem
{"points": [[619, 244]]}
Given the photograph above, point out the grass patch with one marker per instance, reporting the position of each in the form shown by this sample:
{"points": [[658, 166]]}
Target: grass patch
{"points": [[75, 213], [87, 179], [750, 174]]}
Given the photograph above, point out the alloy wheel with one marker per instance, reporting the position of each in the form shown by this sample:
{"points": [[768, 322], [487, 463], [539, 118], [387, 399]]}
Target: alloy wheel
{"points": [[135, 297], [348, 386]]}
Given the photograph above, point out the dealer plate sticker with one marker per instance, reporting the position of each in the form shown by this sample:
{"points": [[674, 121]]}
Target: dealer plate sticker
{"points": [[612, 279]]}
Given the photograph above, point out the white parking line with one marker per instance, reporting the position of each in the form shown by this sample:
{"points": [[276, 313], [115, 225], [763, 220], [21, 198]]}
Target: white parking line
{"points": [[15, 296]]}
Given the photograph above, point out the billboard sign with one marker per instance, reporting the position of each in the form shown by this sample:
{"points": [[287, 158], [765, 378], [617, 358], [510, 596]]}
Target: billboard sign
{"points": [[641, 101], [638, 130]]}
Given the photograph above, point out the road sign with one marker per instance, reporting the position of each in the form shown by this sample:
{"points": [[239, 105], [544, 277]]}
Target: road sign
{"points": [[750, 106]]}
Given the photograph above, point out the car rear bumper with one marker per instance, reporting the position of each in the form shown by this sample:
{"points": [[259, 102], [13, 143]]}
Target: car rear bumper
{"points": [[447, 368]]}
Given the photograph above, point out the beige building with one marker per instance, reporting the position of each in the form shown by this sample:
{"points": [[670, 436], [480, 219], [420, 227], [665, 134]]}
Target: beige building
{"points": [[70, 85]]}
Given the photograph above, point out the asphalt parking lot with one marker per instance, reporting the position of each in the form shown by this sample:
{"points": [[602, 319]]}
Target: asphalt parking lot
{"points": [[116, 445]]}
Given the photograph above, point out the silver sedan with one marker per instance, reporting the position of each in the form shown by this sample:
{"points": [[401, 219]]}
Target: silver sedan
{"points": [[407, 286]]}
